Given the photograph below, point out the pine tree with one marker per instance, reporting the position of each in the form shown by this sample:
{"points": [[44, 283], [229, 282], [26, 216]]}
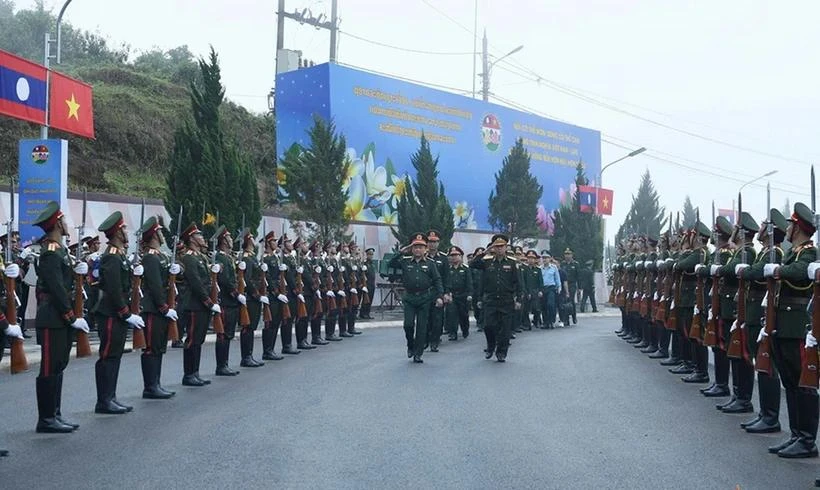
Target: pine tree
{"points": [[314, 178], [580, 231], [205, 170], [424, 205], [646, 215], [514, 201], [689, 213]]}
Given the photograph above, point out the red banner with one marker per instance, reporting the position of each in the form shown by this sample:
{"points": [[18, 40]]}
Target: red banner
{"points": [[70, 106], [605, 201]]}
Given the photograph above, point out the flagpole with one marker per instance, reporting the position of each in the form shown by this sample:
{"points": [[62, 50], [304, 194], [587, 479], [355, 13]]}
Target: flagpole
{"points": [[47, 63]]}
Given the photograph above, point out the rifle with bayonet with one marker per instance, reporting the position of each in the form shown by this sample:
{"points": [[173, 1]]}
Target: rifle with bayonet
{"points": [[763, 360], [737, 339], [83, 345], [711, 338], [218, 323], [19, 363], [696, 329], [138, 336], [241, 285], [267, 316], [173, 331], [810, 360]]}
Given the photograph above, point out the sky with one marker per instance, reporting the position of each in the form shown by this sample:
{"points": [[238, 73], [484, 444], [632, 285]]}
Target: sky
{"points": [[718, 92]]}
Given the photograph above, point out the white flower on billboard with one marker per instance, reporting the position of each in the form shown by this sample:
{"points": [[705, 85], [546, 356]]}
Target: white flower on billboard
{"points": [[356, 199], [464, 216]]}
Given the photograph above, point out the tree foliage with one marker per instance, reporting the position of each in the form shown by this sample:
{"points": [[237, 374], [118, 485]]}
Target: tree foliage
{"points": [[689, 214], [314, 180], [514, 201], [646, 215], [580, 231], [424, 205]]}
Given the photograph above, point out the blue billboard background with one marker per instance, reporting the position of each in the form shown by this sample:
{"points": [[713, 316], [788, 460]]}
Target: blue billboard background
{"points": [[43, 178], [382, 120]]}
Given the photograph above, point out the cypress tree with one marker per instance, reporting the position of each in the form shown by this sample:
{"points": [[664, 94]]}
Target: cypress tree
{"points": [[514, 201], [580, 231]]}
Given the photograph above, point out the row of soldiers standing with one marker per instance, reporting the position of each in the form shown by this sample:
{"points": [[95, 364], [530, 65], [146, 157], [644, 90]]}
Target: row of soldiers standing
{"points": [[678, 300]]}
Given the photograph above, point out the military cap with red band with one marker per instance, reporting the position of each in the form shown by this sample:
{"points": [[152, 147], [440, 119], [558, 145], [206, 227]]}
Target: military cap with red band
{"points": [[49, 217], [112, 224]]}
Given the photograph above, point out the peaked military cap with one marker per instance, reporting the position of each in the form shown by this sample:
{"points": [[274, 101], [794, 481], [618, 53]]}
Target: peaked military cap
{"points": [[111, 224], [747, 222], [244, 237], [91, 238], [519, 249], [723, 226], [297, 242], [778, 220], [282, 240], [370, 249], [454, 250], [702, 230], [545, 253], [433, 236], [268, 237], [49, 217], [327, 245], [187, 233], [569, 250], [499, 239], [803, 216], [418, 239], [73, 248], [220, 232], [314, 245], [532, 253], [148, 229]]}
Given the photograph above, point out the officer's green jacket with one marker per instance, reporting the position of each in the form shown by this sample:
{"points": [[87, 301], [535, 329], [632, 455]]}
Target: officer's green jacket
{"points": [[500, 281], [370, 273], [533, 280], [115, 284], [196, 294], [155, 282], [571, 270], [442, 264], [227, 280], [307, 277], [290, 274], [419, 277], [795, 291], [753, 275], [685, 264], [55, 286], [476, 278], [461, 281], [253, 275], [271, 275], [729, 282]]}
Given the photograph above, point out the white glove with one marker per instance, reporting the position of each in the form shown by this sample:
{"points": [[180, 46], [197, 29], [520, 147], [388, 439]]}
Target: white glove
{"points": [[342, 294], [812, 269], [768, 270], [353, 291], [264, 300], [765, 301], [762, 335], [655, 296], [364, 289], [95, 273], [739, 268], [330, 268], [138, 270], [342, 268], [364, 267], [318, 294], [659, 263], [172, 314], [80, 324], [242, 299], [242, 265], [264, 267], [710, 316], [13, 271], [635, 295], [300, 269], [317, 269], [625, 264], [354, 267], [734, 326], [175, 269], [14, 331], [135, 321], [81, 268], [699, 267], [301, 298], [647, 263], [663, 297], [672, 305], [25, 253], [283, 267], [216, 309], [282, 298], [469, 298], [713, 269], [216, 268], [811, 341], [324, 255], [330, 294], [697, 311]]}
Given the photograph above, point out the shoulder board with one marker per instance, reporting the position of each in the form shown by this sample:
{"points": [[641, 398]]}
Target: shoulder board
{"points": [[112, 250], [189, 252], [54, 246], [407, 256], [153, 251], [488, 257]]}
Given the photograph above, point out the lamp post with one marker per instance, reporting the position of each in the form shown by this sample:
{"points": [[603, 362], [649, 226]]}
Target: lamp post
{"points": [[485, 76], [767, 174], [47, 63], [629, 155]]}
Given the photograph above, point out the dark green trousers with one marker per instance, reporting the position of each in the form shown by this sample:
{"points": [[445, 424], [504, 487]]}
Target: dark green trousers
{"points": [[458, 314], [416, 316]]}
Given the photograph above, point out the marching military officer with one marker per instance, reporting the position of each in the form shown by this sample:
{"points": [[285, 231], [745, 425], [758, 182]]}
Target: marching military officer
{"points": [[113, 315], [271, 260], [423, 289], [535, 287], [461, 287], [155, 311], [768, 387], [316, 305], [436, 323], [520, 316], [570, 266], [370, 273], [501, 286], [478, 313], [197, 307], [792, 317], [55, 321], [256, 296], [230, 300]]}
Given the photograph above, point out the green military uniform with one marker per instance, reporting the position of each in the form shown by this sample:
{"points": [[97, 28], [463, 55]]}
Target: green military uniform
{"points": [[338, 314], [586, 281], [256, 298], [370, 279], [287, 269], [571, 268], [350, 270], [197, 308], [476, 278], [315, 298], [271, 328], [457, 313], [230, 301], [534, 284], [422, 285], [500, 286], [436, 323], [684, 301]]}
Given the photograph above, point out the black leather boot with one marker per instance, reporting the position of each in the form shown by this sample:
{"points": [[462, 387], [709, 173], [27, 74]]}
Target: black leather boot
{"points": [[717, 391], [221, 352], [721, 406], [768, 390], [58, 401], [672, 361], [738, 406], [115, 367], [246, 345], [189, 379], [696, 377], [807, 416], [197, 359], [150, 375], [105, 393], [46, 421], [159, 376], [304, 345], [794, 431], [683, 368]]}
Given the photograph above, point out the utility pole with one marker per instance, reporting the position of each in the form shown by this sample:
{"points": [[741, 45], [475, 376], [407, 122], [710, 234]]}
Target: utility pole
{"points": [[334, 27], [485, 70], [475, 42]]}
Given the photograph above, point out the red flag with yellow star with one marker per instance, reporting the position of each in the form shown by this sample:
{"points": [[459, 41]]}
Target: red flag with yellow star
{"points": [[605, 201], [70, 107]]}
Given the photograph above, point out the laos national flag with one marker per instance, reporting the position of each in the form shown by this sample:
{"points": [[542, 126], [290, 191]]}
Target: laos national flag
{"points": [[587, 198], [22, 88]]}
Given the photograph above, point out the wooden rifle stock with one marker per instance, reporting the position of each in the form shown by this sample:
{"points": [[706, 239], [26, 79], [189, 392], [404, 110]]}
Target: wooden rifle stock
{"points": [[283, 289], [354, 297], [737, 340], [19, 363], [711, 339], [696, 330], [331, 301], [173, 331], [763, 361], [672, 320], [808, 371], [219, 325], [83, 345], [317, 300], [301, 308], [266, 314], [137, 336], [244, 316], [342, 300], [362, 286]]}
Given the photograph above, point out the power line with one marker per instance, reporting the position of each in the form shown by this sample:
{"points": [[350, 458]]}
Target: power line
{"points": [[408, 50]]}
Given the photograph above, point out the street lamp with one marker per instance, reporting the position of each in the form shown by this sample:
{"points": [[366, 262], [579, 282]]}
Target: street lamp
{"points": [[767, 174], [47, 63], [485, 76], [629, 155]]}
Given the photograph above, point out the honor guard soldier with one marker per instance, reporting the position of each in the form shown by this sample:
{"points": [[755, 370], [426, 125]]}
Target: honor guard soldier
{"points": [[155, 311], [55, 321], [768, 387], [286, 281], [535, 288], [500, 285], [457, 312], [792, 317], [316, 304], [693, 256], [197, 306], [270, 257], [92, 258], [570, 266], [255, 293], [352, 280], [370, 276], [230, 300], [299, 278], [422, 288], [436, 322], [112, 313], [338, 314], [22, 288]]}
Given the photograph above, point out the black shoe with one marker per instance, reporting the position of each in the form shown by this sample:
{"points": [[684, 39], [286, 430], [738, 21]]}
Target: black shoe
{"points": [[595, 311], [108, 407], [191, 380], [355, 332], [763, 427], [4, 453], [696, 377], [345, 334], [61, 420], [634, 340], [619, 332], [203, 380], [465, 334], [721, 406], [26, 335], [717, 391], [641, 345], [672, 361], [417, 360], [290, 350], [333, 338], [683, 368], [752, 422], [659, 354], [488, 354], [433, 347], [270, 356], [303, 345], [650, 350], [153, 393], [453, 336], [225, 371], [53, 426], [801, 448], [177, 344], [704, 390], [409, 353], [128, 408], [250, 362], [319, 341], [783, 445], [739, 406], [501, 357], [512, 336]]}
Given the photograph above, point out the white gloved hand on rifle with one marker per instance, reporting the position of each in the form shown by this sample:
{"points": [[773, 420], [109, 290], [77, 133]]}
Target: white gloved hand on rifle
{"points": [[264, 300], [734, 326], [138, 270], [264, 267], [282, 298], [135, 321], [762, 335], [301, 298], [14, 331], [216, 268], [342, 294], [699, 267], [242, 299], [353, 291], [768, 269], [300, 269], [330, 268], [713, 269], [215, 308], [171, 314], [364, 268], [364, 289], [811, 272], [175, 269], [81, 268], [811, 341], [80, 324], [739, 269], [283, 267], [242, 265], [317, 269], [12, 271]]}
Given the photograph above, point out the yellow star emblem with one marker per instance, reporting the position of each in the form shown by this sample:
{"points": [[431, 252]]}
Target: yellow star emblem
{"points": [[73, 108], [605, 202]]}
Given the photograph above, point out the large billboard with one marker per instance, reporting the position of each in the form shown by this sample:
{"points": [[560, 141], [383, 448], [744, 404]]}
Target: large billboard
{"points": [[382, 120]]}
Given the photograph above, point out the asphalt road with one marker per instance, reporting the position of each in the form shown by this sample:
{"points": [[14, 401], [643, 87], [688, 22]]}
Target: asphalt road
{"points": [[571, 408]]}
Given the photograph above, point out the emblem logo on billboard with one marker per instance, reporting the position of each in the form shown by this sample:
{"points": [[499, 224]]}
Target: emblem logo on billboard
{"points": [[40, 154], [491, 132]]}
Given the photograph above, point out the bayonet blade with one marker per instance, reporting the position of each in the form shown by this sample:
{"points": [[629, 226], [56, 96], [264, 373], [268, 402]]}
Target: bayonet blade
{"points": [[770, 225]]}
